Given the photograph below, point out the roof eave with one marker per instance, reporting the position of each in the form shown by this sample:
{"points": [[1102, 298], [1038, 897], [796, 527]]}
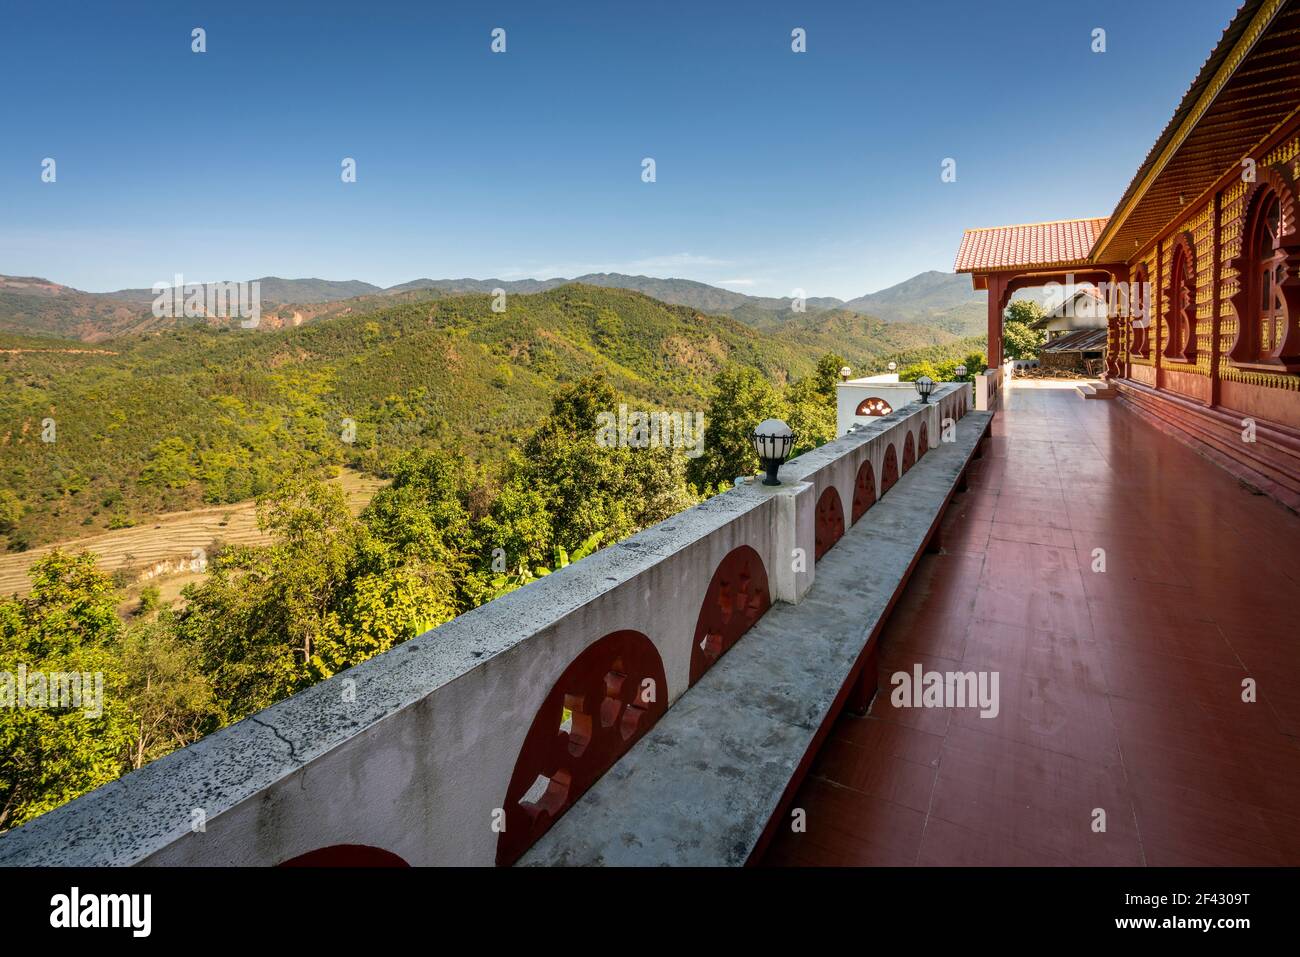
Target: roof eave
{"points": [[1247, 26]]}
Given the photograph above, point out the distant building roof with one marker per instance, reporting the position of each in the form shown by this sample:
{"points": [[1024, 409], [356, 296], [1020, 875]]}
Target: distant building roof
{"points": [[1059, 243], [1084, 340], [1071, 307]]}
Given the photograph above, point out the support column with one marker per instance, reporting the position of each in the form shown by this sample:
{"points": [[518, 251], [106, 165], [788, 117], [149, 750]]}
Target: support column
{"points": [[997, 288], [796, 519], [1116, 350]]}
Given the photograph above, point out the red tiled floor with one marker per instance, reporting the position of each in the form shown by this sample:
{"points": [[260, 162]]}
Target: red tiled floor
{"points": [[1120, 690]]}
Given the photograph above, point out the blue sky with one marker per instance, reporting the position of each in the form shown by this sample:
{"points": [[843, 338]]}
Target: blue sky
{"points": [[775, 170]]}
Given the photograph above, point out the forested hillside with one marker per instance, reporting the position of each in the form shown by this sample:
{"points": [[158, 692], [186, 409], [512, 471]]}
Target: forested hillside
{"points": [[936, 299], [198, 415], [483, 425], [330, 588]]}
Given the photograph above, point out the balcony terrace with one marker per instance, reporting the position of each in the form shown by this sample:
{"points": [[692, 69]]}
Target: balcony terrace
{"points": [[524, 730], [1120, 690]]}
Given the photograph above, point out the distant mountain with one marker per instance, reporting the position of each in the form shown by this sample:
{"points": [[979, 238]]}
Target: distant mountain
{"points": [[32, 306], [934, 298], [675, 292], [460, 286], [277, 290], [944, 300], [941, 301], [698, 295]]}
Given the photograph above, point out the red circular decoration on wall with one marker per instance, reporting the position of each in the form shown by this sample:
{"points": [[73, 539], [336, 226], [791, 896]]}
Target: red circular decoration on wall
{"points": [[829, 525], [346, 855], [737, 597], [874, 405], [923, 444], [864, 490], [909, 452], [889, 474], [604, 691]]}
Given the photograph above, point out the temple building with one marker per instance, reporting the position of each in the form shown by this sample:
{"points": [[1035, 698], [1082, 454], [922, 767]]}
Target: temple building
{"points": [[1201, 258]]}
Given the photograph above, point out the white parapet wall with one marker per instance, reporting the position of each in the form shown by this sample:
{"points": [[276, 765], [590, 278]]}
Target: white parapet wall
{"points": [[411, 754], [990, 383], [858, 401]]}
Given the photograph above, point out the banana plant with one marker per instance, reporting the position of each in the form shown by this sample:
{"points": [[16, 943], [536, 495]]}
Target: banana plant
{"points": [[508, 582]]}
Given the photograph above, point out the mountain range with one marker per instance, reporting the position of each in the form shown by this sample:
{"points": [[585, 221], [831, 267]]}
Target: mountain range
{"points": [[33, 306], [211, 414]]}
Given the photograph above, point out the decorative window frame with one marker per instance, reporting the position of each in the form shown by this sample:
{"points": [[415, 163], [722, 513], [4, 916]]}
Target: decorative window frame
{"points": [[874, 405], [1276, 180], [1180, 320]]}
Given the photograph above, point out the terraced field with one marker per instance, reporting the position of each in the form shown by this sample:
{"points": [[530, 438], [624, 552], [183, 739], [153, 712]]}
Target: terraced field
{"points": [[169, 551]]}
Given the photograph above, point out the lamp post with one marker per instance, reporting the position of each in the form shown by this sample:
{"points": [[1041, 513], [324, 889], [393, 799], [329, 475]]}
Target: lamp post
{"points": [[960, 371], [772, 441], [892, 365], [845, 372], [924, 386]]}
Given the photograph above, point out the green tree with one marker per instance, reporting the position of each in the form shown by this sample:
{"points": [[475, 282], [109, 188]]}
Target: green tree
{"points": [[827, 376], [810, 413], [259, 618], [517, 524], [381, 610], [11, 511], [242, 639], [1024, 311], [53, 750], [914, 372], [975, 363], [422, 515], [742, 398], [150, 597], [591, 486], [169, 464], [170, 699], [316, 544], [1019, 341]]}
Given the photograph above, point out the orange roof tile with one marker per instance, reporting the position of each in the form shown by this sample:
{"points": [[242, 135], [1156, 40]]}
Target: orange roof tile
{"points": [[1032, 244]]}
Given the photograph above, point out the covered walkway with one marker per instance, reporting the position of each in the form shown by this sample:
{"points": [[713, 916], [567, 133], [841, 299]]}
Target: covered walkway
{"points": [[1120, 690]]}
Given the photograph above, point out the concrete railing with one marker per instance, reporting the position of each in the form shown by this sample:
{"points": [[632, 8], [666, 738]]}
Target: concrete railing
{"points": [[990, 383], [858, 401], [460, 746]]}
